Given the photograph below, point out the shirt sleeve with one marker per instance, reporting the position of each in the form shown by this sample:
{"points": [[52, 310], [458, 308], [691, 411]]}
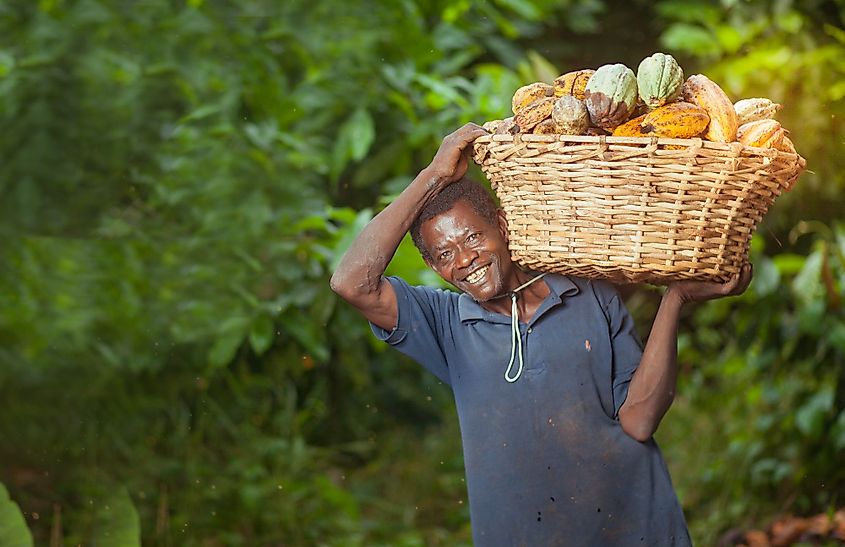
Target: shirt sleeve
{"points": [[419, 325], [626, 346]]}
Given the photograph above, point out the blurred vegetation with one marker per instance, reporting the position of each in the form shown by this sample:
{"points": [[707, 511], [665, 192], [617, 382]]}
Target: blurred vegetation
{"points": [[178, 180]]}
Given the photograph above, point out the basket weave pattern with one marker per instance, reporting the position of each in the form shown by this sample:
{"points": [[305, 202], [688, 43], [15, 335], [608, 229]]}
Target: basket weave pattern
{"points": [[632, 209]]}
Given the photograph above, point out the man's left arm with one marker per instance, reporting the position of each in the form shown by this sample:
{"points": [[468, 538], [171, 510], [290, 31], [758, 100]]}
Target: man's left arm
{"points": [[652, 388]]}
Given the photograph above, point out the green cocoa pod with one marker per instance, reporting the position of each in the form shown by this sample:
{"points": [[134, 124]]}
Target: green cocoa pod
{"points": [[611, 95], [570, 115], [659, 80]]}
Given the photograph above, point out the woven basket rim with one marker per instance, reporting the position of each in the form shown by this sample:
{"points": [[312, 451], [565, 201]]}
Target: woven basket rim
{"points": [[731, 148]]}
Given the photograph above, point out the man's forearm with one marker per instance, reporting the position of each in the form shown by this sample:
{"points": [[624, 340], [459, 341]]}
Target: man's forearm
{"points": [[652, 388], [362, 266]]}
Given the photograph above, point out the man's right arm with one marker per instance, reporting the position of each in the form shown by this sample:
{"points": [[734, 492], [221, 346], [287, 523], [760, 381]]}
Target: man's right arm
{"points": [[359, 278]]}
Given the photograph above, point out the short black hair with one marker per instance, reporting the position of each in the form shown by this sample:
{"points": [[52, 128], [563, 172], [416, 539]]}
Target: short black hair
{"points": [[476, 195]]}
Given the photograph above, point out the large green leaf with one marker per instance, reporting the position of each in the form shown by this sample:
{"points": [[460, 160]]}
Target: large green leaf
{"points": [[13, 529], [116, 523], [353, 140]]}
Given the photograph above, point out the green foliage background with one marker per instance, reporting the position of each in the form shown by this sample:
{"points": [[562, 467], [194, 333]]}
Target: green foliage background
{"points": [[179, 178]]}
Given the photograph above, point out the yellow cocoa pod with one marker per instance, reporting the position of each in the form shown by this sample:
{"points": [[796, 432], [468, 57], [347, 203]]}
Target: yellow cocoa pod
{"points": [[702, 91], [534, 113], [527, 94], [757, 108], [545, 127], [573, 83], [676, 120], [761, 133], [631, 128]]}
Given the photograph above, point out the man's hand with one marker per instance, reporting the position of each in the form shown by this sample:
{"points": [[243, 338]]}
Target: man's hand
{"points": [[359, 278], [697, 291], [450, 162]]}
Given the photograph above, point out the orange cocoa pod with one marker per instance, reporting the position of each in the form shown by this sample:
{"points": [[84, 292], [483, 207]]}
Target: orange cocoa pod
{"points": [[534, 113], [702, 91], [761, 133], [631, 128], [527, 94], [680, 120]]}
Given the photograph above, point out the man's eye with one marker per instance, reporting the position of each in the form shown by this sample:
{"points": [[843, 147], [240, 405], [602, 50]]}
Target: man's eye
{"points": [[445, 255], [472, 238]]}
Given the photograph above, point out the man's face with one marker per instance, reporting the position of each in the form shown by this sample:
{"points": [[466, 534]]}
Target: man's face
{"points": [[469, 252]]}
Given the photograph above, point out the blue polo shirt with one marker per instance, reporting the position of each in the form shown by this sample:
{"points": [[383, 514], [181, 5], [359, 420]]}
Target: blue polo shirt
{"points": [[546, 460]]}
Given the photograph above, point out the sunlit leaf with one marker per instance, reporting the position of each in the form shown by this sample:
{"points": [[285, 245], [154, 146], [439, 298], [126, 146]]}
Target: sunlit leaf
{"points": [[454, 10], [691, 39], [788, 263], [790, 21], [694, 11], [730, 38], [523, 8], [13, 529]]}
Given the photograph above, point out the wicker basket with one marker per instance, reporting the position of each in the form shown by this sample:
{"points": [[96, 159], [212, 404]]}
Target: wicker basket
{"points": [[633, 209]]}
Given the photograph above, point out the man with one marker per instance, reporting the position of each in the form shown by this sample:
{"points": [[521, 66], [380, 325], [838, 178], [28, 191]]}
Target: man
{"points": [[556, 400]]}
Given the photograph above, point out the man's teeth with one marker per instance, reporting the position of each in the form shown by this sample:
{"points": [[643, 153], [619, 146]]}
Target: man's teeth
{"points": [[476, 276]]}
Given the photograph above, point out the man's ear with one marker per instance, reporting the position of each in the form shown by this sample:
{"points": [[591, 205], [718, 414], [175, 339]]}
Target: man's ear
{"points": [[426, 256], [503, 224]]}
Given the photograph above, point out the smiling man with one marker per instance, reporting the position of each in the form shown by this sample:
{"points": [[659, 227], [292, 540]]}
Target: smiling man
{"points": [[556, 398]]}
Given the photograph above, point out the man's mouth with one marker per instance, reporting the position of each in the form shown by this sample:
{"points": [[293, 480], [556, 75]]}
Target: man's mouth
{"points": [[477, 275]]}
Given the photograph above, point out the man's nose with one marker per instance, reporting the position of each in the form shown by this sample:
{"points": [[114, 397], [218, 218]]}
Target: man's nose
{"points": [[466, 257]]}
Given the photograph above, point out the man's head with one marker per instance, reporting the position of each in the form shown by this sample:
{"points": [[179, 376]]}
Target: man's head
{"points": [[465, 189], [462, 235]]}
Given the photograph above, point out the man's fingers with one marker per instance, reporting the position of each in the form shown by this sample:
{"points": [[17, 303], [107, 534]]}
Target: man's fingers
{"points": [[469, 133], [473, 134], [739, 282], [745, 277]]}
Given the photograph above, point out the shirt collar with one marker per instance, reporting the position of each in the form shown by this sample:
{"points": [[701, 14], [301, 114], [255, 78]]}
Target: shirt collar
{"points": [[559, 286]]}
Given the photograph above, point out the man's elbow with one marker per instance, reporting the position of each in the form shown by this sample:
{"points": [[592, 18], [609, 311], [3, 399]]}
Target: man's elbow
{"points": [[640, 420], [638, 431], [637, 424], [349, 288], [336, 283], [342, 286]]}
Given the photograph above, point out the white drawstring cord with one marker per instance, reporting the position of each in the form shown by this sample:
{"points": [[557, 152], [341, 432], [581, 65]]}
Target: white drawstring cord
{"points": [[516, 338]]}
